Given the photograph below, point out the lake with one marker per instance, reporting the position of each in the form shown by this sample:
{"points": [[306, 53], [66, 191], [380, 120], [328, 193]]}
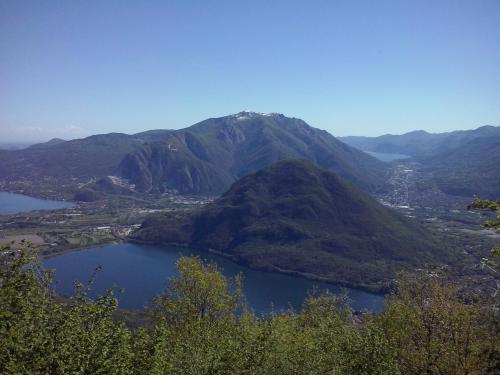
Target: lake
{"points": [[387, 157], [143, 270], [11, 203]]}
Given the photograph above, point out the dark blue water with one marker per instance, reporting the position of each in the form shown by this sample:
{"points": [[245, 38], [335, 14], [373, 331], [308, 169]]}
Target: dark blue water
{"points": [[143, 271], [387, 157], [11, 203]]}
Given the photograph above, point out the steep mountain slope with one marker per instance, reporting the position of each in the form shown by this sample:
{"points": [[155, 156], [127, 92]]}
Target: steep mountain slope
{"points": [[296, 218], [207, 157], [471, 169], [419, 143]]}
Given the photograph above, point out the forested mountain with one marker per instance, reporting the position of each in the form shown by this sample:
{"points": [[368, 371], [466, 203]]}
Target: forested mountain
{"points": [[296, 218], [420, 143], [207, 157], [471, 169]]}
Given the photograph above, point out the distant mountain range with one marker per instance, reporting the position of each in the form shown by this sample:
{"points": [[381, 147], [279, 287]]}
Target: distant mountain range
{"points": [[14, 145], [205, 158], [23, 145], [52, 142], [296, 218], [419, 143], [95, 156], [465, 162], [471, 169]]}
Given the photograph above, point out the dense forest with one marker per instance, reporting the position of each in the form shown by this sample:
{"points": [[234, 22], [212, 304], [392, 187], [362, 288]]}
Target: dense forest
{"points": [[201, 325], [295, 217]]}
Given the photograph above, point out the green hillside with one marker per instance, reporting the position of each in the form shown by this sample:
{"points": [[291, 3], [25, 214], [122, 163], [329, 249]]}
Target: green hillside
{"points": [[296, 218]]}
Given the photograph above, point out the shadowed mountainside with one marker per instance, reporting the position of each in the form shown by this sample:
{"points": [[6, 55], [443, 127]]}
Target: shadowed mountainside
{"points": [[297, 218]]}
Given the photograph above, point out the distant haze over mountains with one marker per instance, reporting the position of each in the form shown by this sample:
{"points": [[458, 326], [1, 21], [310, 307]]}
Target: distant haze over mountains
{"points": [[14, 145]]}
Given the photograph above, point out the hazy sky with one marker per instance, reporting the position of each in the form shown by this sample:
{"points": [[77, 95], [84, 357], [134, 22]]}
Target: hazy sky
{"points": [[72, 68]]}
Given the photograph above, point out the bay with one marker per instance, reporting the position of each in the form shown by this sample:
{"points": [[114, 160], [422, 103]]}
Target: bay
{"points": [[11, 203]]}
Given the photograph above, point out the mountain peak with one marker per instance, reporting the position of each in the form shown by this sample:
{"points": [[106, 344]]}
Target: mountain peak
{"points": [[487, 128], [417, 132], [56, 140], [245, 115]]}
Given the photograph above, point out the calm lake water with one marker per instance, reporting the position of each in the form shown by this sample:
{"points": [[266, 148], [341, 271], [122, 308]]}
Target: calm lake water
{"points": [[143, 271], [387, 157], [11, 203]]}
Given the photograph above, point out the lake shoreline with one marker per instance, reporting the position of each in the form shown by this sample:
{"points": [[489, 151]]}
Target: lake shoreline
{"points": [[39, 195], [139, 268], [14, 203], [79, 248], [382, 291], [277, 270]]}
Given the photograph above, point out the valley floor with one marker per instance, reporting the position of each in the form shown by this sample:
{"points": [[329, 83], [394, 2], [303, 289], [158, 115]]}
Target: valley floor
{"points": [[85, 225], [413, 194]]}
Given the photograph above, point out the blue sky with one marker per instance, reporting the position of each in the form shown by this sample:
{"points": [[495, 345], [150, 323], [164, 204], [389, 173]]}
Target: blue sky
{"points": [[352, 67]]}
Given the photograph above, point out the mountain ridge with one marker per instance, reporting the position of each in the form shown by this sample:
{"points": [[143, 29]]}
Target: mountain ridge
{"points": [[420, 143], [203, 159], [229, 147]]}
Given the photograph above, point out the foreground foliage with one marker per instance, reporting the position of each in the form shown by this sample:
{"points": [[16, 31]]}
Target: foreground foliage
{"points": [[200, 325], [493, 206]]}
